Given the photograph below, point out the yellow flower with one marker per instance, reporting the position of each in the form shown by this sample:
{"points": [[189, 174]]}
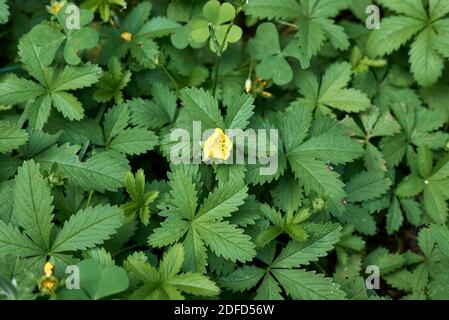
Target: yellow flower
{"points": [[48, 269], [49, 284], [127, 36], [55, 7], [217, 146]]}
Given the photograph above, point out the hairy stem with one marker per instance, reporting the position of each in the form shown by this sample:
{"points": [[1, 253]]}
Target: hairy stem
{"points": [[222, 45]]}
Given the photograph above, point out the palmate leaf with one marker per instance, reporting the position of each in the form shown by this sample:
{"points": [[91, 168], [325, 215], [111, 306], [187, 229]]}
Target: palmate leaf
{"points": [[204, 226], [113, 82], [315, 26], [52, 87], [11, 137], [167, 282], [87, 228], [333, 92], [155, 113]]}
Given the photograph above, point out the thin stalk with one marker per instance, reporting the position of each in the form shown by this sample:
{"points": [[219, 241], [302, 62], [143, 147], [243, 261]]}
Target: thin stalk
{"points": [[285, 23], [10, 68], [136, 245], [169, 76], [89, 199], [86, 144], [219, 53]]}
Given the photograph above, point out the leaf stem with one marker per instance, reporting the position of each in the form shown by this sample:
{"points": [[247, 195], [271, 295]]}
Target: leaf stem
{"points": [[136, 245], [10, 68], [222, 45], [170, 76], [285, 23], [89, 199]]}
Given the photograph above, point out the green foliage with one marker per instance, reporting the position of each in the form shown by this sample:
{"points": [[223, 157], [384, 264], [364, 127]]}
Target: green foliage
{"points": [[103, 131], [425, 26]]}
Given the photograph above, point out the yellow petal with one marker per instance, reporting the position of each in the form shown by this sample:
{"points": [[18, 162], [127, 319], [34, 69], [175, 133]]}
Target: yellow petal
{"points": [[217, 146], [127, 36], [49, 284], [48, 269], [55, 7]]}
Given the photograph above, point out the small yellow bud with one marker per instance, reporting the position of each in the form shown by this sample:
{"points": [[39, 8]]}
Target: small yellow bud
{"points": [[248, 85], [127, 36], [48, 269], [55, 7], [266, 94], [49, 284], [217, 146]]}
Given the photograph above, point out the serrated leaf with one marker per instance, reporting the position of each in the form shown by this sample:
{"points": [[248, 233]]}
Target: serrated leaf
{"points": [[87, 228]]}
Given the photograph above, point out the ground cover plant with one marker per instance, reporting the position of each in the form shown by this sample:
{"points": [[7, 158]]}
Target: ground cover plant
{"points": [[106, 192]]}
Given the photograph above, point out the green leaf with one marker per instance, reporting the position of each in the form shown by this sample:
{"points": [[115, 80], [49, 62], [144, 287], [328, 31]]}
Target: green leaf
{"points": [[134, 141], [113, 82], [269, 289], [11, 137], [184, 194], [72, 78], [440, 234], [97, 281], [201, 106], [322, 238], [12, 241], [222, 202], [435, 203], [410, 186], [4, 11], [87, 228], [273, 9], [412, 8], [315, 176], [304, 285], [331, 148], [393, 33], [33, 204], [14, 90], [100, 172], [367, 185], [394, 217], [426, 64], [226, 240], [243, 278]]}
